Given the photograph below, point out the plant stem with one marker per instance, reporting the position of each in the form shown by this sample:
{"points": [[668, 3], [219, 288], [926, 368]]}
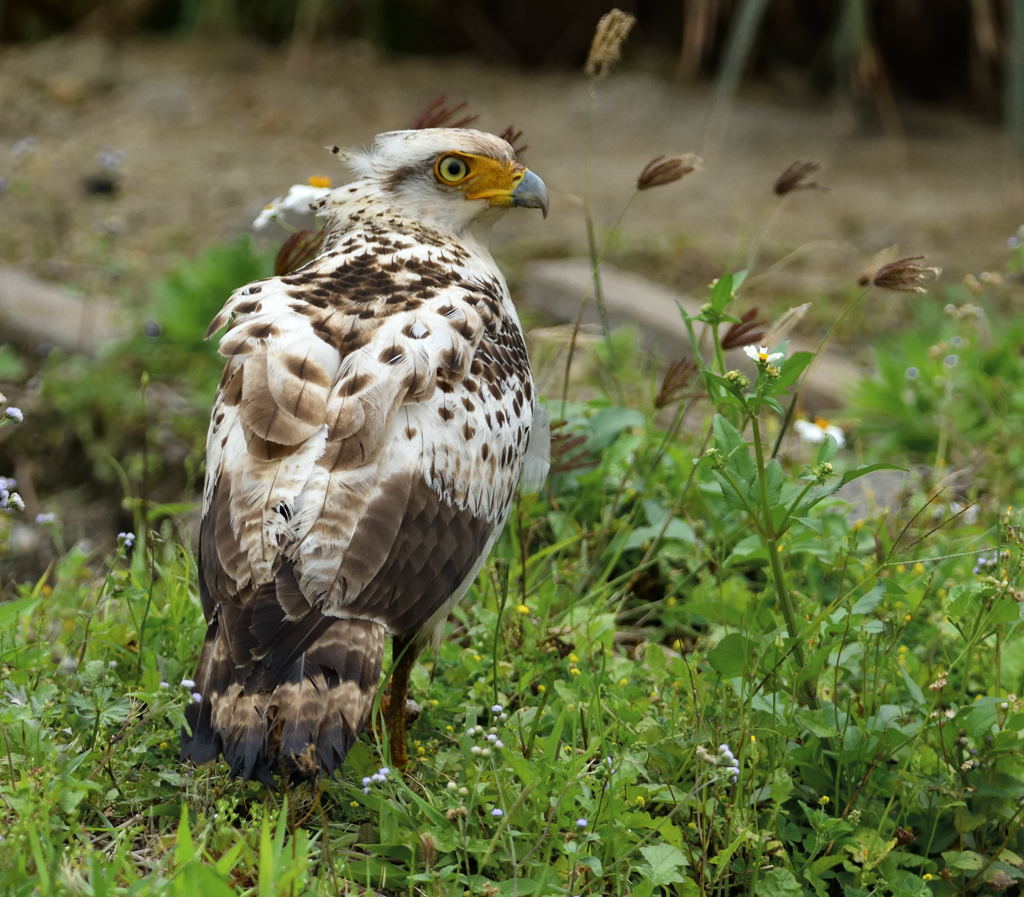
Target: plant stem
{"points": [[771, 541]]}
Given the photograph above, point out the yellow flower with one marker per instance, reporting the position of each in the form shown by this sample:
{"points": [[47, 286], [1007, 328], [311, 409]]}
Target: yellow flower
{"points": [[824, 800], [901, 568], [573, 658], [542, 688], [522, 609], [639, 800], [671, 601], [927, 876], [918, 568], [623, 681], [319, 180], [574, 671]]}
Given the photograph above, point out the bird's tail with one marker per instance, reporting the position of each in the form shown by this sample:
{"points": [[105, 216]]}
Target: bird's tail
{"points": [[282, 696]]}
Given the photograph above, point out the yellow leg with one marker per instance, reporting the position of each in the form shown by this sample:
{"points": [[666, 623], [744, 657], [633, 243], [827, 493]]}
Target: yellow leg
{"points": [[402, 658]]}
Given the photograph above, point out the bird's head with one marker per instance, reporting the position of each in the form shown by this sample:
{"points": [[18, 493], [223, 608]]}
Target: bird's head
{"points": [[448, 177]]}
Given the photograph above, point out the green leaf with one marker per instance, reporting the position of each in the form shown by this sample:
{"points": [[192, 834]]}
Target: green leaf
{"points": [[732, 656], [779, 882], [812, 523], [608, 423], [915, 690], [732, 498], [775, 480], [727, 437], [868, 602], [185, 849], [827, 449], [965, 860], [722, 292], [859, 472], [730, 442], [791, 369], [662, 865]]}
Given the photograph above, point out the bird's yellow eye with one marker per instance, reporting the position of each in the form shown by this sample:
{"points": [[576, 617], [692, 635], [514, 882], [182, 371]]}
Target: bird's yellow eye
{"points": [[451, 169]]}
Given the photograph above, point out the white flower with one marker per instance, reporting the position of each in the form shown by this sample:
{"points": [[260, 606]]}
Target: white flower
{"points": [[292, 209], [761, 355], [496, 708], [14, 414], [818, 429], [188, 683], [581, 822], [198, 698], [496, 813]]}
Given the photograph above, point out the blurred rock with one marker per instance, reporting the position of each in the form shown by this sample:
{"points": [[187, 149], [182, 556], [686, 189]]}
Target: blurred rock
{"points": [[557, 287], [34, 312]]}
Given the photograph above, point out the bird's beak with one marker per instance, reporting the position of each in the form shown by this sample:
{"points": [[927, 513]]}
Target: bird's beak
{"points": [[531, 193], [507, 184]]}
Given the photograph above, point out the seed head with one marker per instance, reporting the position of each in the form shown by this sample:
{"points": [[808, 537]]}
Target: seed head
{"points": [[301, 247], [512, 136], [903, 275], [677, 375], [439, 114], [663, 170], [794, 178], [748, 330], [605, 50]]}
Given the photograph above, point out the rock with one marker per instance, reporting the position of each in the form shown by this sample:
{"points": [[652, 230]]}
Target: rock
{"points": [[557, 287], [35, 312]]}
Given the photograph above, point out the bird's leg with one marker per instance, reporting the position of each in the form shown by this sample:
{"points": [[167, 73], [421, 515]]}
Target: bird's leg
{"points": [[402, 658]]}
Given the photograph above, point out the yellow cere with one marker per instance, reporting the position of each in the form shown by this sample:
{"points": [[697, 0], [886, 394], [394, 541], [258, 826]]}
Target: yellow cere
{"points": [[480, 177]]}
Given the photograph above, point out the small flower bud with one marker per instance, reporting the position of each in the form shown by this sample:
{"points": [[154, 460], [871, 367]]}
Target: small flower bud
{"points": [[742, 381]]}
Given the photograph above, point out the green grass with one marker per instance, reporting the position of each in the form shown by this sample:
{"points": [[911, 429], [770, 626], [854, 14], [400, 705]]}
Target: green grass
{"points": [[672, 591]]}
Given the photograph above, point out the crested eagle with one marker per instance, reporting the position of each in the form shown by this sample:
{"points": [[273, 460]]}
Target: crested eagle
{"points": [[374, 419]]}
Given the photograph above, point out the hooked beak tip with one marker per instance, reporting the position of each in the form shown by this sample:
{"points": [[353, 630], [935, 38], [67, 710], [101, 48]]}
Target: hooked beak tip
{"points": [[531, 193]]}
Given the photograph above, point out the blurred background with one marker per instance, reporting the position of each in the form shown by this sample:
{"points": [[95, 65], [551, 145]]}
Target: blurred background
{"points": [[139, 139]]}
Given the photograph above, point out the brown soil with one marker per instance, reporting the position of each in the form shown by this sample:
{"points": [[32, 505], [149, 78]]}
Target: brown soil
{"points": [[211, 131]]}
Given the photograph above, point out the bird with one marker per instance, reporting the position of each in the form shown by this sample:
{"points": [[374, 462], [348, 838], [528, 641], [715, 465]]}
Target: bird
{"points": [[375, 418]]}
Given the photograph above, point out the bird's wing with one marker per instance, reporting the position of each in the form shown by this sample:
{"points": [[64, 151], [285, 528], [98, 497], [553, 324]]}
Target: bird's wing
{"points": [[325, 460]]}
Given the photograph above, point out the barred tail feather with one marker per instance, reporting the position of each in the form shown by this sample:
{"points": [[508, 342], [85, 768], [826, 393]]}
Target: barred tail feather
{"points": [[296, 710]]}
